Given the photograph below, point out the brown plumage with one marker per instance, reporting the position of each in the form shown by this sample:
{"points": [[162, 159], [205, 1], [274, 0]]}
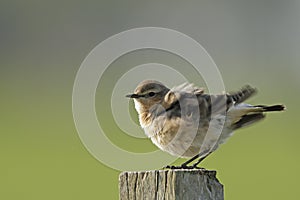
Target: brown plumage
{"points": [[186, 122]]}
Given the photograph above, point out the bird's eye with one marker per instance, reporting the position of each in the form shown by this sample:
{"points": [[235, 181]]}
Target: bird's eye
{"points": [[151, 94]]}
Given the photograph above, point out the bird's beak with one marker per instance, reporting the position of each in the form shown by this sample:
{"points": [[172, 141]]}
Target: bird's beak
{"points": [[133, 96]]}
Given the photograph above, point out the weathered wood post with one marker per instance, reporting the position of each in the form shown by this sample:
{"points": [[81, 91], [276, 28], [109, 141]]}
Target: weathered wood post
{"points": [[178, 184]]}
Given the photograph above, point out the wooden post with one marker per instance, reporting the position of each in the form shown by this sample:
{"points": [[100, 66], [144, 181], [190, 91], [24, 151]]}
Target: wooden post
{"points": [[179, 184]]}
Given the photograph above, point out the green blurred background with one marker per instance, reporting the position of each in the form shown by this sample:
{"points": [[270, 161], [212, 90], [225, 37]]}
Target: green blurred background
{"points": [[43, 43]]}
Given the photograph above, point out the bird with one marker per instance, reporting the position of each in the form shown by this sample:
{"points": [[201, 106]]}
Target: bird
{"points": [[185, 121]]}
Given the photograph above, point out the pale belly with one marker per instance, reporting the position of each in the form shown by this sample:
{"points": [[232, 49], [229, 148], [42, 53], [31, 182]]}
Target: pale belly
{"points": [[185, 139]]}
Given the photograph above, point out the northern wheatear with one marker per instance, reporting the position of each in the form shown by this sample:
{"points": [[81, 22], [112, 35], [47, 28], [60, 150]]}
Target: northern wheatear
{"points": [[186, 122]]}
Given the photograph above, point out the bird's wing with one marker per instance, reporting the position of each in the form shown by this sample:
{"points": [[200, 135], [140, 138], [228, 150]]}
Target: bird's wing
{"points": [[182, 92], [187, 88], [243, 94], [220, 103], [212, 105], [193, 98], [182, 99], [209, 104]]}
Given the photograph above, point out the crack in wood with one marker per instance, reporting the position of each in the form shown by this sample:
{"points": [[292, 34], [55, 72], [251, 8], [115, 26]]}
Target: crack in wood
{"points": [[171, 185]]}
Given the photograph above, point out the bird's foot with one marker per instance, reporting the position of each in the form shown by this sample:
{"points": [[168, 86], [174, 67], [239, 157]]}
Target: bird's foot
{"points": [[182, 167]]}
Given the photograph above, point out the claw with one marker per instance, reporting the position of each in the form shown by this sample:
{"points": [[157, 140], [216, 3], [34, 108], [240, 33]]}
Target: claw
{"points": [[182, 167]]}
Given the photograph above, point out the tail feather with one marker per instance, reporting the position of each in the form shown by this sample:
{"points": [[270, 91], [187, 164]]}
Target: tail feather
{"points": [[243, 94], [248, 120], [272, 108], [245, 114]]}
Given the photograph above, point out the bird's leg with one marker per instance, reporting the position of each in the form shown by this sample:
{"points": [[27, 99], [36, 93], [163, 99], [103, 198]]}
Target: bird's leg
{"points": [[200, 160], [194, 166], [184, 165]]}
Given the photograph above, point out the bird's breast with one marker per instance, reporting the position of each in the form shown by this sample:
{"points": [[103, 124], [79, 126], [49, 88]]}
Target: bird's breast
{"points": [[174, 136]]}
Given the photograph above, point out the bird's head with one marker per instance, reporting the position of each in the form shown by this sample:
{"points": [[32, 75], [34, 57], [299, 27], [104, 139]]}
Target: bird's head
{"points": [[148, 94]]}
